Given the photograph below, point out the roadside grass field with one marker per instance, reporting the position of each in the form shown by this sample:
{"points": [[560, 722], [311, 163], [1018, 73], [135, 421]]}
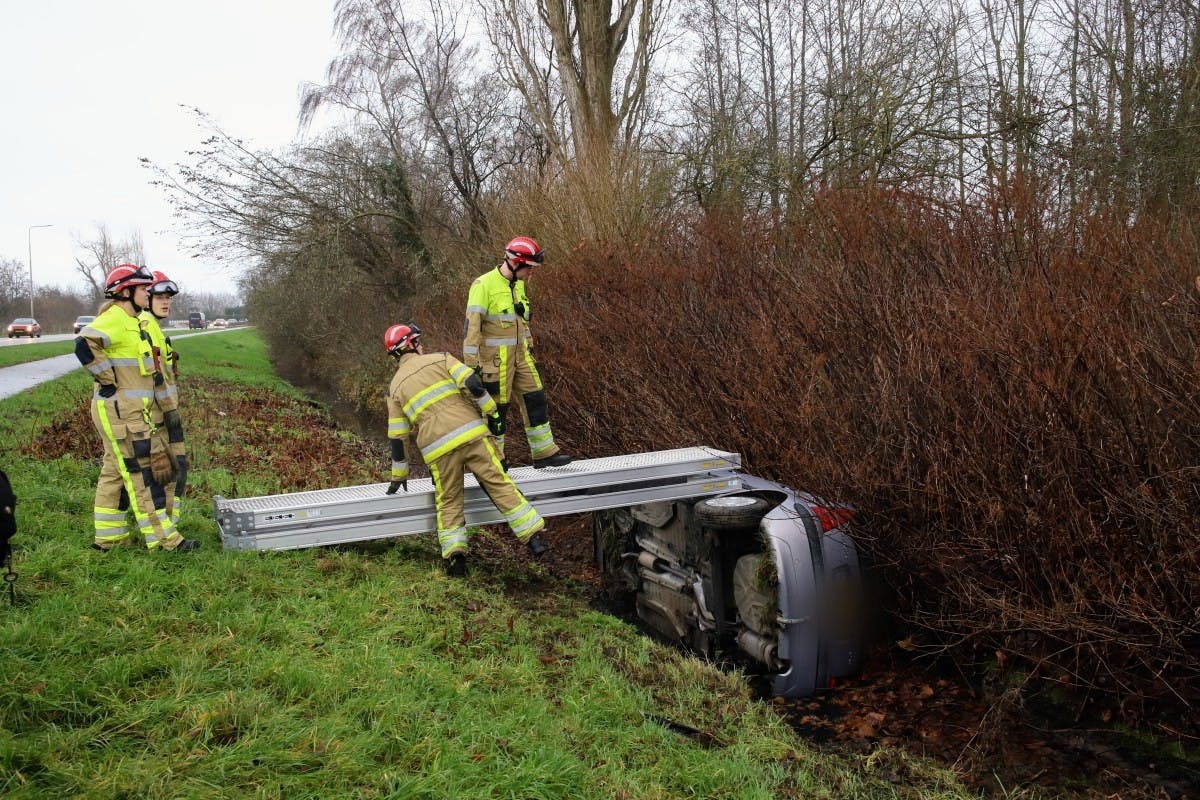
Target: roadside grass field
{"points": [[351, 672], [32, 350]]}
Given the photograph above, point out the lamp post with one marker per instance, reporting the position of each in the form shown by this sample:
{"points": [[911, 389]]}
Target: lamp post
{"points": [[29, 242]]}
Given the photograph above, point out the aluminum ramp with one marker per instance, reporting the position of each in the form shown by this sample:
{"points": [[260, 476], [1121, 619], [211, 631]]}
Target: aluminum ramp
{"points": [[360, 513]]}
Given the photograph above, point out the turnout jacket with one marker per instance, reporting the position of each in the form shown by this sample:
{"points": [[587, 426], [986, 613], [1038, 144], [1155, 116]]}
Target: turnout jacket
{"points": [[117, 352], [426, 396], [498, 313]]}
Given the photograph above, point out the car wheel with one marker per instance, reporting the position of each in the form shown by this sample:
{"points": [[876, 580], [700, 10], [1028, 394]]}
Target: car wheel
{"points": [[731, 512]]}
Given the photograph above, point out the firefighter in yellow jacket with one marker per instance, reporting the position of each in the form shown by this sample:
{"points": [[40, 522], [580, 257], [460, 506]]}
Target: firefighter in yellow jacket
{"points": [[166, 394], [428, 395], [497, 344], [118, 353]]}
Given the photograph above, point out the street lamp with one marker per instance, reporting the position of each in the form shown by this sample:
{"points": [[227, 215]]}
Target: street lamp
{"points": [[29, 242]]}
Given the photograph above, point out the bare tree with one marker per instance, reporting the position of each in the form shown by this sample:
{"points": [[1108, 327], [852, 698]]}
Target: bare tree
{"points": [[571, 53], [14, 284], [101, 253], [418, 81]]}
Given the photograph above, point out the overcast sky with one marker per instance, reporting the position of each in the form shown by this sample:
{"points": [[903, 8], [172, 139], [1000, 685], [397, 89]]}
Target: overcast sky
{"points": [[90, 86]]}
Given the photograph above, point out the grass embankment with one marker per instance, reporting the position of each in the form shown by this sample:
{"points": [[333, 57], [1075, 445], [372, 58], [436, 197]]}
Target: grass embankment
{"points": [[33, 350], [358, 672]]}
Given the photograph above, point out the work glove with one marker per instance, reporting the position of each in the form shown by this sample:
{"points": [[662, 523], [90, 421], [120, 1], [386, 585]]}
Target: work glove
{"points": [[159, 380], [394, 485], [495, 425], [478, 370], [161, 467], [107, 390]]}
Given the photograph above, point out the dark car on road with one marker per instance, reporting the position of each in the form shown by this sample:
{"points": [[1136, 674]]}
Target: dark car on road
{"points": [[196, 320], [24, 326], [82, 322]]}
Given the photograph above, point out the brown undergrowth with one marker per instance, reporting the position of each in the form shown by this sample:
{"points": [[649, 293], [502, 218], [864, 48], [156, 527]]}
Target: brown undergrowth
{"points": [[1013, 413]]}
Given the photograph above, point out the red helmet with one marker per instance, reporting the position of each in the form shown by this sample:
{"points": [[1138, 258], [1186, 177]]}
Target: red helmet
{"points": [[524, 251], [163, 285], [124, 276], [401, 338]]}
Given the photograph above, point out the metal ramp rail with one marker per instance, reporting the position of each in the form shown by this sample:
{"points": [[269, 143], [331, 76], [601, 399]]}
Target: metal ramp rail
{"points": [[359, 513]]}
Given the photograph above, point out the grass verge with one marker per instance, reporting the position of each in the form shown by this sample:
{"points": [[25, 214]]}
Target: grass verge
{"points": [[353, 672]]}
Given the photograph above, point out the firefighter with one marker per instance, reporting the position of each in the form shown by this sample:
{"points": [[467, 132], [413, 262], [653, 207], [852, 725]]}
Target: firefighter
{"points": [[497, 344], [429, 394], [117, 351], [166, 395]]}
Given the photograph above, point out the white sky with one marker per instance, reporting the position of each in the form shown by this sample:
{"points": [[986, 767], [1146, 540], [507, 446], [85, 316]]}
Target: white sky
{"points": [[87, 87]]}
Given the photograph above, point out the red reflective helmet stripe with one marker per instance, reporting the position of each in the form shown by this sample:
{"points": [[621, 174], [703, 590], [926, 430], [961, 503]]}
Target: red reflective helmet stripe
{"points": [[524, 250], [401, 337], [124, 276]]}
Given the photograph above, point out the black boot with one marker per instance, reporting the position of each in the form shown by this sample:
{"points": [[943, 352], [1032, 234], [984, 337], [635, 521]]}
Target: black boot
{"points": [[456, 565], [186, 546], [537, 545], [556, 460]]}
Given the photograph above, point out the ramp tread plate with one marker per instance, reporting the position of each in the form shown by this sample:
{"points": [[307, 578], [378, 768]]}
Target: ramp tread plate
{"points": [[478, 513], [577, 473]]}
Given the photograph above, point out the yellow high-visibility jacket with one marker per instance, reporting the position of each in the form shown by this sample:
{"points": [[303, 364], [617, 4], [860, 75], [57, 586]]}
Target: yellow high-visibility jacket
{"points": [[167, 394], [498, 312]]}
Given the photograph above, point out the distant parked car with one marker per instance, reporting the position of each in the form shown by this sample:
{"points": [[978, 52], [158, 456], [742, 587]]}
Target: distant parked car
{"points": [[196, 320], [81, 322], [220, 323], [24, 326]]}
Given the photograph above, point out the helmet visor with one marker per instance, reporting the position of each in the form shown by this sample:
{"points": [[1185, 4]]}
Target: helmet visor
{"points": [[525, 258], [142, 275]]}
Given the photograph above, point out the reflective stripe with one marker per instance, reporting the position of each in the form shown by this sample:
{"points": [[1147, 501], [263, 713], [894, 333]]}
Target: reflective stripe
{"points": [[460, 435], [427, 397], [399, 470], [453, 541], [471, 349], [398, 427], [96, 367], [524, 520], [95, 333], [476, 310], [540, 439], [461, 371], [500, 342], [126, 362], [509, 317], [129, 394]]}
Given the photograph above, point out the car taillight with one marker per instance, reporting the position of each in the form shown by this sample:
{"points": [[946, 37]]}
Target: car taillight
{"points": [[831, 518]]}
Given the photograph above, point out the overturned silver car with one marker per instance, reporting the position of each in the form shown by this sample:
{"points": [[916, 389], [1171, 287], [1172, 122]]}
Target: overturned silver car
{"points": [[765, 576]]}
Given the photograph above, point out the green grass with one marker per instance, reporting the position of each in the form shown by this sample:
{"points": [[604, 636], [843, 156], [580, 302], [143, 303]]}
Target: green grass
{"points": [[32, 350], [358, 672], [25, 350]]}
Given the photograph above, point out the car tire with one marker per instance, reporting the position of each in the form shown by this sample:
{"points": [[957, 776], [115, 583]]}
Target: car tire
{"points": [[731, 512]]}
